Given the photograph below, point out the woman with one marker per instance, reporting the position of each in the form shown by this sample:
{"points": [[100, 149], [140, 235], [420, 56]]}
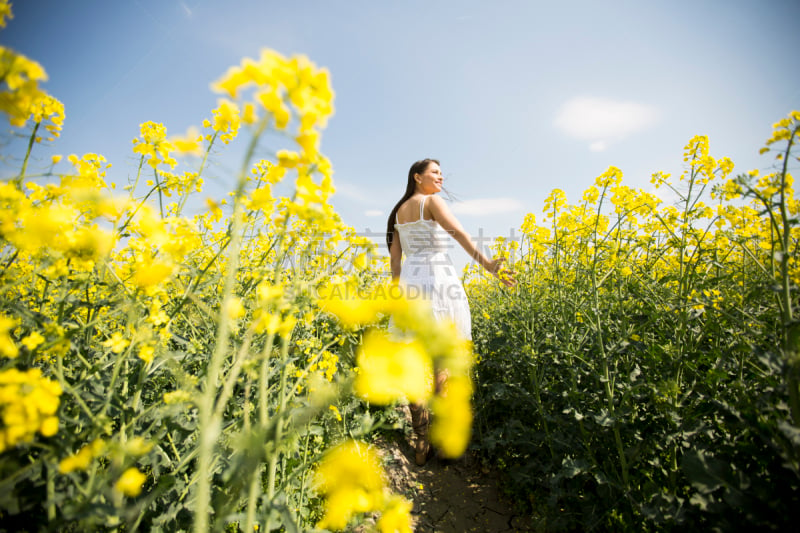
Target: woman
{"points": [[418, 227]]}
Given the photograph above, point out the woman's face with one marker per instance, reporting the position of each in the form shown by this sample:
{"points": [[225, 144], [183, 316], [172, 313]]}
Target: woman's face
{"points": [[430, 181]]}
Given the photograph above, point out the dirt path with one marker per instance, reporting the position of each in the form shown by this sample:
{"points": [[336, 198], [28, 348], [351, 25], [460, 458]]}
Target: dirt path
{"points": [[448, 496]]}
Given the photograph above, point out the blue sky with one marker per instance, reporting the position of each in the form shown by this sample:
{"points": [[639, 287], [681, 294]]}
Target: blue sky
{"points": [[514, 97]]}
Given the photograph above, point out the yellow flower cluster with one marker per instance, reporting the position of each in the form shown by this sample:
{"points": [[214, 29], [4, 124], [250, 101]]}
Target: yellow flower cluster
{"points": [[23, 98], [59, 220], [278, 79], [5, 12], [177, 396], [152, 143], [81, 459], [226, 121], [189, 144], [784, 130], [21, 76], [322, 360], [388, 370], [351, 479], [7, 346], [292, 91], [28, 404], [392, 369], [130, 482], [48, 108]]}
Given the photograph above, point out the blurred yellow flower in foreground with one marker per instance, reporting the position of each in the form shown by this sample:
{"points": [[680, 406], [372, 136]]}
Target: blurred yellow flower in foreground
{"points": [[388, 370], [396, 517], [28, 403], [451, 431], [130, 482], [351, 479], [7, 346], [190, 144], [81, 459], [5, 12]]}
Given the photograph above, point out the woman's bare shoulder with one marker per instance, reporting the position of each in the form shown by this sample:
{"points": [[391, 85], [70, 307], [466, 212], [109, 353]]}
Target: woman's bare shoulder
{"points": [[436, 202]]}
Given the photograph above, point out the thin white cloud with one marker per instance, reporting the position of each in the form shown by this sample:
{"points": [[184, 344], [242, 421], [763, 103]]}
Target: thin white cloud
{"points": [[353, 192], [486, 206], [602, 122], [373, 213], [186, 9]]}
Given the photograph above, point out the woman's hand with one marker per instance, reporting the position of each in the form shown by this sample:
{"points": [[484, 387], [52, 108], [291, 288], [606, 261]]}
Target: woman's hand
{"points": [[505, 276]]}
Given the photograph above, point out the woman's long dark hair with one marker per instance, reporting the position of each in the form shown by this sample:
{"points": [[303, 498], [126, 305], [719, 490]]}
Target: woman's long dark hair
{"points": [[417, 168]]}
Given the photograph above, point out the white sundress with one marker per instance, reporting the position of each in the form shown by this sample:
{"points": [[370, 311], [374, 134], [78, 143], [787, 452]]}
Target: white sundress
{"points": [[428, 273]]}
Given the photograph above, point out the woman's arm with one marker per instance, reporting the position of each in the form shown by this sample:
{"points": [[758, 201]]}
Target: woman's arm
{"points": [[442, 214], [395, 257]]}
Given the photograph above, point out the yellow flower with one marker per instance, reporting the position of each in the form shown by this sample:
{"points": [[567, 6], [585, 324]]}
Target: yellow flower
{"points": [[51, 109], [22, 77], [152, 272], [344, 301], [153, 145], [234, 309], [336, 412], [611, 177], [5, 12], [177, 396], [82, 458], [273, 323], [351, 480], [49, 426], [249, 115], [450, 429], [33, 340], [146, 353], [7, 346], [28, 404], [226, 120], [390, 370], [215, 209], [396, 516], [130, 482], [261, 198], [287, 158], [188, 144], [117, 342], [138, 446]]}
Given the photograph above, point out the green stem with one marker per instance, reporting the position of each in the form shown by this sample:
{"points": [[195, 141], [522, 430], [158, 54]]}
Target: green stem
{"points": [[607, 383], [121, 359], [51, 492], [263, 388], [209, 423], [160, 193], [252, 499], [791, 331], [18, 180], [304, 469], [786, 294], [273, 460]]}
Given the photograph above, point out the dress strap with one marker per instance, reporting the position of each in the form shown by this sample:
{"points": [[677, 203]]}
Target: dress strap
{"points": [[421, 206]]}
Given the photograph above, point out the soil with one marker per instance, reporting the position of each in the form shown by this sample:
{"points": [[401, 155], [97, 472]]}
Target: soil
{"points": [[449, 496]]}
